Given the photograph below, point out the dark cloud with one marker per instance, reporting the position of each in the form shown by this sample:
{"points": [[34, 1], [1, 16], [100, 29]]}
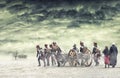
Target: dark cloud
{"points": [[60, 1]]}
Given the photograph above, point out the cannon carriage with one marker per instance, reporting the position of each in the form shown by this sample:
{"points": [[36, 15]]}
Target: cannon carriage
{"points": [[77, 59]]}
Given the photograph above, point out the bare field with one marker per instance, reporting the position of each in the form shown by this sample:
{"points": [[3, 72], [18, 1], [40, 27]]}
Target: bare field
{"points": [[27, 68]]}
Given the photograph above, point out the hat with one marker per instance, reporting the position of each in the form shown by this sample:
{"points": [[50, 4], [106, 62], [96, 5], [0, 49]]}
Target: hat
{"points": [[81, 43], [54, 42], [74, 45], [113, 43], [37, 46], [50, 45], [95, 43], [46, 44]]}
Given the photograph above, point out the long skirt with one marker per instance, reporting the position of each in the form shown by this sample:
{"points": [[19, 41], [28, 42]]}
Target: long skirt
{"points": [[106, 60], [113, 59]]}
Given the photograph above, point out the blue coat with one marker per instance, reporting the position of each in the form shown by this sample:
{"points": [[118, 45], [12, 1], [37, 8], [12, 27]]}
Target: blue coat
{"points": [[113, 55]]}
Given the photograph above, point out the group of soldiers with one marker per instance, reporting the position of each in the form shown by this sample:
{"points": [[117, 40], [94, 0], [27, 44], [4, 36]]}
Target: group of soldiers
{"points": [[50, 51], [110, 55], [53, 52]]}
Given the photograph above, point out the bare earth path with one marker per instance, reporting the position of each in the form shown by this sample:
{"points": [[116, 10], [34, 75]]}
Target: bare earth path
{"points": [[27, 68]]}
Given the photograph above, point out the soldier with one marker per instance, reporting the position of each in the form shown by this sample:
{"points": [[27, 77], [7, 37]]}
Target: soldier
{"points": [[75, 48], [47, 54], [58, 54], [82, 51], [81, 46], [40, 55], [53, 55], [96, 53], [77, 52]]}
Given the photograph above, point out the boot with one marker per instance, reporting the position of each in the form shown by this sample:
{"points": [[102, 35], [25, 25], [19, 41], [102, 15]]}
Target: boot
{"points": [[58, 64], [105, 65], [108, 65]]}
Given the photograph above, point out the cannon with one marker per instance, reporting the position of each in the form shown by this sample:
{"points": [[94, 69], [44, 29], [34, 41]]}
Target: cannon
{"points": [[74, 58]]}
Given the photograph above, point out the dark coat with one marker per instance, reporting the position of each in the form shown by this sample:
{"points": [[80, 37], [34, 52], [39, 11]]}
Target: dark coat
{"points": [[76, 49], [113, 49], [106, 52], [81, 49], [113, 55], [94, 50], [40, 53]]}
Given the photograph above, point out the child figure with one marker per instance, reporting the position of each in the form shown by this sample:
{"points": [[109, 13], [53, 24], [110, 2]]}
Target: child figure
{"points": [[106, 56]]}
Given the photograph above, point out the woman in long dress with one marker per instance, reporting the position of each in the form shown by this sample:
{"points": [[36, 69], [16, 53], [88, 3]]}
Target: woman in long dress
{"points": [[113, 55]]}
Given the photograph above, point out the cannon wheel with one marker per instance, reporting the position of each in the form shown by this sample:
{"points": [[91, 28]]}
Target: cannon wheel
{"points": [[87, 57], [72, 56], [88, 63]]}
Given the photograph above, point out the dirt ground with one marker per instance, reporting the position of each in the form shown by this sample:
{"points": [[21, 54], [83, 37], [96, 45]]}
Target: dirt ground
{"points": [[27, 68]]}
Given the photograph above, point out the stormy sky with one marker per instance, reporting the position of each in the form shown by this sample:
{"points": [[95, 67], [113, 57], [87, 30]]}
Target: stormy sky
{"points": [[60, 1], [40, 10]]}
